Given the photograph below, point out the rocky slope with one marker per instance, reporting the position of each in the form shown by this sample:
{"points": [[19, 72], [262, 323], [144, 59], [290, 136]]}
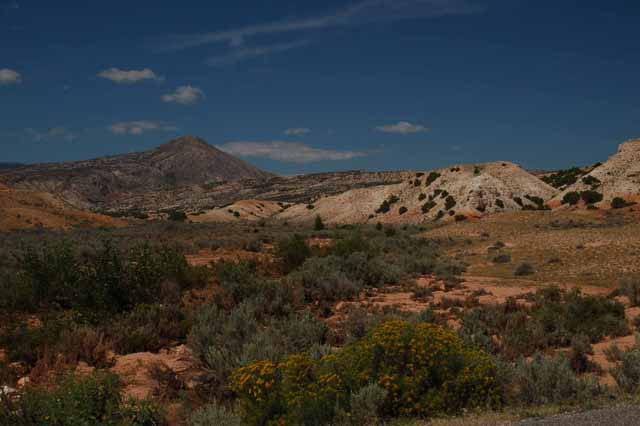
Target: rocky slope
{"points": [[619, 176], [463, 190], [94, 183], [25, 209]]}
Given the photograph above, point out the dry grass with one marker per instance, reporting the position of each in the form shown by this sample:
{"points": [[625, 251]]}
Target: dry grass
{"points": [[582, 248]]}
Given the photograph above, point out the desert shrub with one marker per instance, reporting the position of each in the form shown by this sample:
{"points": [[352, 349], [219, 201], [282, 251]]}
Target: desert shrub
{"points": [[424, 368], [579, 356], [571, 198], [523, 269], [564, 177], [148, 328], [254, 245], [620, 203], [591, 180], [627, 372], [439, 215], [449, 202], [324, 280], [547, 380], [402, 210], [630, 287], [518, 201], [238, 280], [502, 258], [292, 252], [177, 216], [318, 224], [591, 197], [460, 218], [107, 281], [539, 202], [352, 243], [94, 400], [500, 203], [224, 341], [432, 177], [422, 196], [366, 404], [169, 384], [426, 207], [215, 414]]}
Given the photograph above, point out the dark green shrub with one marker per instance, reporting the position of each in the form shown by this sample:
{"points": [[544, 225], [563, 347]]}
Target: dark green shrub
{"points": [[323, 280], [449, 202], [571, 198], [591, 197], [177, 216], [432, 177], [215, 414], [591, 180], [630, 287], [502, 258], [564, 177], [460, 218], [318, 224], [523, 269], [627, 372], [620, 203], [354, 242], [500, 203], [402, 210], [292, 252], [518, 201], [426, 207], [148, 328], [422, 196], [94, 400]]}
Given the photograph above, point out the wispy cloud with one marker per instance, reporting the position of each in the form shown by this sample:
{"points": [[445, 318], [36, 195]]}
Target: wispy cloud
{"points": [[129, 77], [184, 95], [358, 13], [297, 131], [403, 128], [288, 152], [241, 54], [9, 77], [54, 133], [140, 127]]}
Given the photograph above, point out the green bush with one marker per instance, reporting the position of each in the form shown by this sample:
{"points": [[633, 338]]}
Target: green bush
{"points": [[523, 269], [571, 198], [630, 287], [425, 369], [426, 207], [402, 210], [366, 404], [292, 252], [318, 224], [502, 258], [500, 203], [94, 400], [422, 196], [546, 381], [215, 414], [627, 372], [591, 197], [148, 328], [323, 279], [449, 202], [177, 216], [620, 203], [432, 177], [564, 177]]}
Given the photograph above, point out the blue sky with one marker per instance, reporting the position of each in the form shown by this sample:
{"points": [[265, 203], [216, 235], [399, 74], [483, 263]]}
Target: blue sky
{"points": [[308, 86]]}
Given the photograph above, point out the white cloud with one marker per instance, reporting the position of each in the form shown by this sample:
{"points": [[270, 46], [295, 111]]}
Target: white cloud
{"points": [[288, 152], [242, 54], [54, 133], [140, 127], [403, 128], [361, 12], [184, 95], [297, 131], [129, 77], [8, 77]]}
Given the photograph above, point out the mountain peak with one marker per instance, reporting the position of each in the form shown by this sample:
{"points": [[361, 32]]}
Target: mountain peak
{"points": [[186, 142]]}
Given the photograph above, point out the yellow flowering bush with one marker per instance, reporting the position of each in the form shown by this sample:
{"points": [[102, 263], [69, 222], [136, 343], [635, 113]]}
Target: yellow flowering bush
{"points": [[425, 369]]}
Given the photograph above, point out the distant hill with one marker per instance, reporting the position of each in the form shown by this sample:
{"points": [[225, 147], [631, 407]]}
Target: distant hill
{"points": [[92, 183], [462, 190], [619, 176], [7, 166]]}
